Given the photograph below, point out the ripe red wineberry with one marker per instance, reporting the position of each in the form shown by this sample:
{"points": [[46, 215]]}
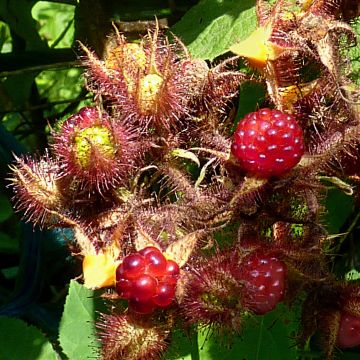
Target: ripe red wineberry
{"points": [[268, 143], [155, 263], [147, 280], [124, 288], [349, 331], [144, 287], [172, 268], [264, 278], [142, 306], [165, 293], [148, 249], [133, 265]]}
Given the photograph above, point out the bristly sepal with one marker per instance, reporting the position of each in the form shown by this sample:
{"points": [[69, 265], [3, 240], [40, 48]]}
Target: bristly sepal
{"points": [[128, 336], [213, 294], [146, 82], [37, 190]]}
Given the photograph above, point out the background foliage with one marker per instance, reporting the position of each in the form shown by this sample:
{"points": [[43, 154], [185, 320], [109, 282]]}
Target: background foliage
{"points": [[44, 315]]}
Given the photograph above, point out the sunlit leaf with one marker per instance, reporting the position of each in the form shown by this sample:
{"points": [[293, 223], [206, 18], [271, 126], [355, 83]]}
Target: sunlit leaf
{"points": [[19, 340], [55, 21], [265, 337], [77, 334], [212, 26]]}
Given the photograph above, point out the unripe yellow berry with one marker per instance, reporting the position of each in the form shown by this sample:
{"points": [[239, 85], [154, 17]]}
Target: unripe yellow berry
{"points": [[149, 90], [95, 138]]}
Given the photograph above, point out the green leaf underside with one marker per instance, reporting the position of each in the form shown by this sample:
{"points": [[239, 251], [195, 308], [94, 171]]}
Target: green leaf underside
{"points": [[77, 333], [263, 338], [19, 341], [212, 26], [339, 207]]}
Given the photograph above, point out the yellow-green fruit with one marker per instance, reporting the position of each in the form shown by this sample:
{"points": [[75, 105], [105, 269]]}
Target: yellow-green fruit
{"points": [[95, 140], [149, 90]]}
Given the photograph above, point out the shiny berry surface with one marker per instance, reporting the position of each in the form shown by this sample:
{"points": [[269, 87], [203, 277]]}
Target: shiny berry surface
{"points": [[124, 288], [144, 287], [155, 263], [264, 278], [349, 331], [142, 306], [147, 280], [148, 249], [133, 265], [172, 268], [165, 293], [268, 143]]}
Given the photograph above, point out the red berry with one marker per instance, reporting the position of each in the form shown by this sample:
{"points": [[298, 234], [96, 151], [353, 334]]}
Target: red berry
{"points": [[147, 280], [172, 272], [120, 274], [268, 143], [264, 278], [124, 288], [133, 265], [165, 294], [144, 287], [148, 249], [155, 263], [349, 331], [142, 306], [172, 268]]}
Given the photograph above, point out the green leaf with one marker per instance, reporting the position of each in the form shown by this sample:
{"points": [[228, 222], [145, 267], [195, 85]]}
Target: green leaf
{"points": [[17, 14], [5, 208], [55, 21], [339, 207], [212, 26], [19, 341], [263, 338], [251, 96], [352, 275], [5, 38], [59, 85], [8, 243], [77, 334], [182, 346]]}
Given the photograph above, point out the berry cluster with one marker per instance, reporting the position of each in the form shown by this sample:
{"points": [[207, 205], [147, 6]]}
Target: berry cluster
{"points": [[268, 143], [147, 280], [264, 278]]}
